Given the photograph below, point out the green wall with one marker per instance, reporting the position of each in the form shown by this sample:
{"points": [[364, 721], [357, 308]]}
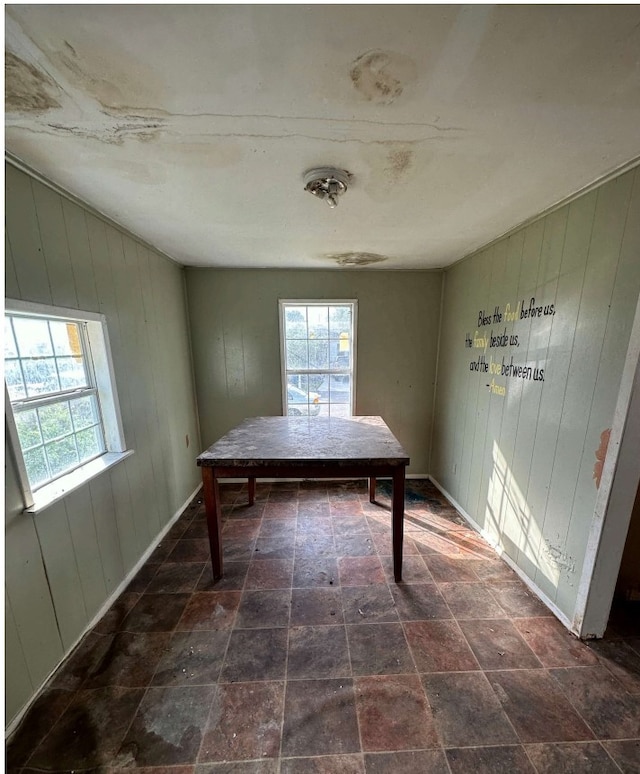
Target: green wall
{"points": [[518, 455], [63, 564], [236, 345]]}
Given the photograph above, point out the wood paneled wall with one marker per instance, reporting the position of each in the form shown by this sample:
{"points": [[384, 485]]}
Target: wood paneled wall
{"points": [[63, 564], [236, 345], [521, 463]]}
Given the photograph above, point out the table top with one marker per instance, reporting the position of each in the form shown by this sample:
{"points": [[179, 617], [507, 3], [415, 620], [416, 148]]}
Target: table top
{"points": [[306, 440]]}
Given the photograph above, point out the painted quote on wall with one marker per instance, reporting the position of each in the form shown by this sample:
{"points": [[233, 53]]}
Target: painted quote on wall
{"points": [[498, 330]]}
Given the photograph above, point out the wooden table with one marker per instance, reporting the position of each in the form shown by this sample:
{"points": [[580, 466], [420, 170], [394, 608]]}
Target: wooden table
{"points": [[304, 447]]}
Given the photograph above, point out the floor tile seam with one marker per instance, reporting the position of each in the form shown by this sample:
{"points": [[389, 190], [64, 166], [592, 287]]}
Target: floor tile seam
{"points": [[499, 704], [355, 699], [596, 737], [469, 671], [198, 760], [395, 750], [128, 728], [533, 653], [321, 755], [468, 644], [564, 693], [489, 746], [495, 598], [49, 732], [416, 672], [602, 662], [319, 626], [392, 623], [284, 691], [581, 742], [205, 727], [325, 678]]}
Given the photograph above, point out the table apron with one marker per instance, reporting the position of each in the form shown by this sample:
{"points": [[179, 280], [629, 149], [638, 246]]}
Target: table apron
{"points": [[329, 470]]}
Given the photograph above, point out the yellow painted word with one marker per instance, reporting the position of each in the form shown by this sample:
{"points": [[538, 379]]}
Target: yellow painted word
{"points": [[497, 389], [510, 316], [480, 342]]}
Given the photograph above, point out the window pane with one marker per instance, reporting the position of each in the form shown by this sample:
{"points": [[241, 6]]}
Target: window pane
{"points": [[28, 428], [10, 349], [297, 410], [41, 376], [84, 412], [33, 337], [89, 443], [318, 322], [339, 321], [13, 378], [302, 398], [62, 455], [66, 338], [295, 322], [340, 410], [319, 383], [55, 420], [72, 372], [318, 354], [36, 466], [297, 355], [340, 388]]}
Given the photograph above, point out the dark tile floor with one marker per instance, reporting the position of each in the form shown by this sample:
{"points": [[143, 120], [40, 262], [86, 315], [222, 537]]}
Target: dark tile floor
{"points": [[308, 658]]}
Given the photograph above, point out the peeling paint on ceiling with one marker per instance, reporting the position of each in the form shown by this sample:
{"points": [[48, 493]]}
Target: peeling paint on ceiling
{"points": [[195, 123], [357, 259]]}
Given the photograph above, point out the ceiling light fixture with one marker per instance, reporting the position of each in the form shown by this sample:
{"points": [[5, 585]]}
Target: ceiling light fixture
{"points": [[327, 183]]}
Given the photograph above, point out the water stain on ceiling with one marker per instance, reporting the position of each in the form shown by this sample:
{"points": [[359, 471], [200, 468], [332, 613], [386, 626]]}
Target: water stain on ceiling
{"points": [[399, 163], [27, 89], [382, 76]]}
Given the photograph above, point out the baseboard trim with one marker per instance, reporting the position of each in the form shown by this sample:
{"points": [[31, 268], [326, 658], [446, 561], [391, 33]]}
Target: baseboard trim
{"points": [[564, 620]]}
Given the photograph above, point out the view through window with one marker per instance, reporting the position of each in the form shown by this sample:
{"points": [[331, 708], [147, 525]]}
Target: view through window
{"points": [[318, 357], [49, 378]]}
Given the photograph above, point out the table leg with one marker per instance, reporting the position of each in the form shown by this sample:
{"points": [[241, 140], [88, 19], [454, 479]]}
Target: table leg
{"points": [[372, 489], [252, 489], [214, 518], [397, 521]]}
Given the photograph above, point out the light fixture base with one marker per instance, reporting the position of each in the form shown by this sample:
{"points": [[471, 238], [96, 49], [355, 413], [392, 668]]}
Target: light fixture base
{"points": [[327, 183]]}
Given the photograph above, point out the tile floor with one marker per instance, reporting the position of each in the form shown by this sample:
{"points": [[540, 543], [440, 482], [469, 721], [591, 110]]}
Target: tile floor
{"points": [[308, 658]]}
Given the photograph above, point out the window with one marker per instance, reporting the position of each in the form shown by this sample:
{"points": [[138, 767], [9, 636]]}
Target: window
{"points": [[318, 357], [62, 412]]}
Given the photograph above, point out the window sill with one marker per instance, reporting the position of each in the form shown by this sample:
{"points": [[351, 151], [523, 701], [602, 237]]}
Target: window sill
{"points": [[63, 486]]}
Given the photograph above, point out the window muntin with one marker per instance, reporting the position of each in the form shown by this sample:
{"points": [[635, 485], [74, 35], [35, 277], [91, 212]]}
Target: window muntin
{"points": [[50, 380], [318, 357]]}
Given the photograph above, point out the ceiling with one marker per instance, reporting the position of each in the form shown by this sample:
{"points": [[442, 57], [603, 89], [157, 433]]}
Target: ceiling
{"points": [[192, 125]]}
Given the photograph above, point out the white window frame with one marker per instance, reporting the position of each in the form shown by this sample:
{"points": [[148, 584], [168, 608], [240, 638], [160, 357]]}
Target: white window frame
{"points": [[353, 303], [97, 340]]}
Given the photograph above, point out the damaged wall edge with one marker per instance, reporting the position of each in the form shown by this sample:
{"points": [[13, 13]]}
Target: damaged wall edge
{"points": [[614, 504]]}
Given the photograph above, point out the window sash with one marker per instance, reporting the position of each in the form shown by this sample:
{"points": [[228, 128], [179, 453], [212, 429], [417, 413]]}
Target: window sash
{"points": [[26, 404], [64, 396]]}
